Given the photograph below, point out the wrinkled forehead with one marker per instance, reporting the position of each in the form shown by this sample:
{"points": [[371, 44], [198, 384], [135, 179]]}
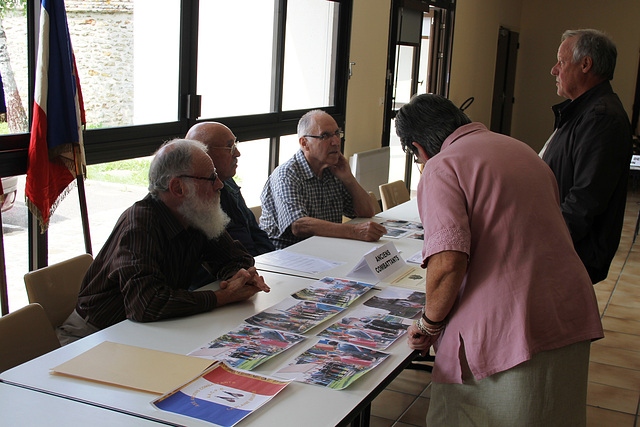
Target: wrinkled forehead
{"points": [[323, 123], [565, 50], [202, 164]]}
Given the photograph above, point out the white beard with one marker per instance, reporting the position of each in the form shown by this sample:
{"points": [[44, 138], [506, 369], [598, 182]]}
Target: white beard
{"points": [[206, 216]]}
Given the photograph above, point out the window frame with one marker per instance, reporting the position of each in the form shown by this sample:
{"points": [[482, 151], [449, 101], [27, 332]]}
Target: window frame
{"points": [[120, 143]]}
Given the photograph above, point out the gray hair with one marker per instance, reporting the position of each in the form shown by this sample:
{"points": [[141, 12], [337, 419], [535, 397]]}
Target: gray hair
{"points": [[598, 46], [172, 159], [306, 121], [428, 119]]}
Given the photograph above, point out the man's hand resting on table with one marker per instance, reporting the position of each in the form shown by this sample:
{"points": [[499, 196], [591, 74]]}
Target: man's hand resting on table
{"points": [[243, 285]]}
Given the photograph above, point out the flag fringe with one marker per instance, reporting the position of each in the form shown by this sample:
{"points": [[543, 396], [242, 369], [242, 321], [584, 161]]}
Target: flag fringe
{"points": [[44, 226]]}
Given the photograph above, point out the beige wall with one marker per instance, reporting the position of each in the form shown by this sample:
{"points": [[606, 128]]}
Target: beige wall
{"points": [[475, 42], [540, 24]]}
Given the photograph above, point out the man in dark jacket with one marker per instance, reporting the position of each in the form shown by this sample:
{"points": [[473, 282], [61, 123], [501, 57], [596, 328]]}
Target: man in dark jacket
{"points": [[590, 149], [223, 150]]}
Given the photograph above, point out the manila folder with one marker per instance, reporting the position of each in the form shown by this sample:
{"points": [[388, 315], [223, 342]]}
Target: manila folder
{"points": [[133, 367]]}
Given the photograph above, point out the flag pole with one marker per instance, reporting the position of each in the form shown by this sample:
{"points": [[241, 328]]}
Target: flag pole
{"points": [[82, 198], [4, 295]]}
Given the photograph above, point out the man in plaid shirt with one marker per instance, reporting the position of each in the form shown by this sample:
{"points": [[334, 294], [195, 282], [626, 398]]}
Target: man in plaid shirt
{"points": [[310, 193]]}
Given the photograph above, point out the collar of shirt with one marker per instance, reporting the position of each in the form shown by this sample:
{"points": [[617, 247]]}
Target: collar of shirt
{"points": [[231, 186], [305, 171], [463, 131], [568, 108]]}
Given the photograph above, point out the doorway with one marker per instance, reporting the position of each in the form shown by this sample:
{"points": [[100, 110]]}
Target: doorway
{"points": [[504, 81], [418, 61]]}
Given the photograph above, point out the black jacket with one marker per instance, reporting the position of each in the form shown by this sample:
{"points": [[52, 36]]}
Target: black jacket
{"points": [[590, 155]]}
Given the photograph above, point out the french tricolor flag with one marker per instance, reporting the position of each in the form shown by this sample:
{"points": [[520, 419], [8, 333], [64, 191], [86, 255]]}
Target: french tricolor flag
{"points": [[222, 396], [56, 152]]}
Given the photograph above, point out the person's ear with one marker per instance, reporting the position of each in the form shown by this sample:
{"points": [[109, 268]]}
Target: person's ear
{"points": [[422, 154], [177, 188], [304, 143], [586, 64]]}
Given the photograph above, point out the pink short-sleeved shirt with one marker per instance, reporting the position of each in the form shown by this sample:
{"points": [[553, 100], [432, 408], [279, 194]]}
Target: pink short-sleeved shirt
{"points": [[525, 291]]}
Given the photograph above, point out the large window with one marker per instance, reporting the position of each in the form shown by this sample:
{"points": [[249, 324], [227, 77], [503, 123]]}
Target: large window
{"points": [[149, 70], [310, 50], [235, 56]]}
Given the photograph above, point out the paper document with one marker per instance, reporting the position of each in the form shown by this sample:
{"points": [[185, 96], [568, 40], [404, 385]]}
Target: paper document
{"points": [[416, 258], [248, 346], [221, 395], [295, 261]]}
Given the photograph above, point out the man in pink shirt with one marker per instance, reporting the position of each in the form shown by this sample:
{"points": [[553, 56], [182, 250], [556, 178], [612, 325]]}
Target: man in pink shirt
{"points": [[510, 308]]}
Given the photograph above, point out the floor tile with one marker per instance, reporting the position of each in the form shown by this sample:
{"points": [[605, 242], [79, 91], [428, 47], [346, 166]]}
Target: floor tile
{"points": [[380, 422], [427, 392], [411, 381], [599, 417], [614, 398], [620, 340], [614, 376], [626, 300], [417, 413], [622, 312], [391, 404], [606, 285], [627, 288], [614, 356], [625, 326], [631, 267]]}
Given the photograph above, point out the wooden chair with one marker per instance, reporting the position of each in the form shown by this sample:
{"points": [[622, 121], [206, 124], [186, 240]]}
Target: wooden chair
{"points": [[376, 203], [393, 194], [56, 287], [257, 212], [24, 335]]}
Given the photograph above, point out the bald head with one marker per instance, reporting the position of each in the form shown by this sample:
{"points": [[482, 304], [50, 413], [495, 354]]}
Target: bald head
{"points": [[221, 144]]}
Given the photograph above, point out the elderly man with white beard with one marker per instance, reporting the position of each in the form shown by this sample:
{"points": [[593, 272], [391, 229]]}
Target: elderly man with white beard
{"points": [[145, 268]]}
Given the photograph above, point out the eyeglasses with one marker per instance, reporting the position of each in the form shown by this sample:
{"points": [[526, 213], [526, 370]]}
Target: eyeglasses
{"points": [[327, 135], [213, 178], [233, 149]]}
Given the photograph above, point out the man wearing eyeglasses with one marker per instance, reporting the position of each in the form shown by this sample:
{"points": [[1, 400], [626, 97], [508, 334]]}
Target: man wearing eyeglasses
{"points": [[148, 263], [310, 193], [223, 150]]}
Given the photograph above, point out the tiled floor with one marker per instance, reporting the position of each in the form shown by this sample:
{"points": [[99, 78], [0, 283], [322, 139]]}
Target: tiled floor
{"points": [[614, 373]]}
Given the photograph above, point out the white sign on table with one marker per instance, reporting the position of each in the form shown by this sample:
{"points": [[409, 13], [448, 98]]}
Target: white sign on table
{"points": [[378, 264]]}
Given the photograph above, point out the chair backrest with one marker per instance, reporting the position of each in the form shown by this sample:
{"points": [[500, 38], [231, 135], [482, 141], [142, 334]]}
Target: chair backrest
{"points": [[56, 287], [25, 334], [393, 194], [257, 212], [376, 203]]}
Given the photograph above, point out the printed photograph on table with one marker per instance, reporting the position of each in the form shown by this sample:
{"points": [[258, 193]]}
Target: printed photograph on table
{"points": [[368, 327], [399, 302], [332, 364], [400, 223], [293, 315], [397, 233], [221, 395], [417, 236], [329, 290], [248, 346]]}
